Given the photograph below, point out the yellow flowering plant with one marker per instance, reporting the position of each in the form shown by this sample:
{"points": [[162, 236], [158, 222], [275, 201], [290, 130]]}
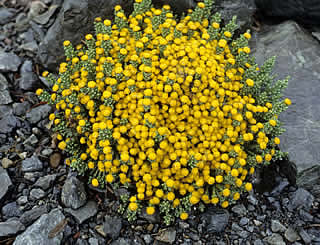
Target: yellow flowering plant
{"points": [[177, 111]]}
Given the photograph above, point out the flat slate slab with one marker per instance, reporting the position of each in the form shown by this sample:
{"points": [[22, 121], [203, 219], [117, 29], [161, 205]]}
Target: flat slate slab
{"points": [[298, 55]]}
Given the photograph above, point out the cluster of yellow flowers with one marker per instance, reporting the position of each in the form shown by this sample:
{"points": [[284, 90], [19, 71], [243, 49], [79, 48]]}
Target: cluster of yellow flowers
{"points": [[175, 111]]}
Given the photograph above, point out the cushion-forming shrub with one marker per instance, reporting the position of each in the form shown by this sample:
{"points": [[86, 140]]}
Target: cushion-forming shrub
{"points": [[174, 110]]}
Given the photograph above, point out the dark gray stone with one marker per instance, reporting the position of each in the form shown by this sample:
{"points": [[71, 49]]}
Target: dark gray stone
{"points": [[309, 179], [20, 109], [31, 215], [167, 235], [216, 219], [112, 226], [301, 199], [298, 55], [38, 113], [46, 181], [83, 213], [305, 12], [305, 216], [36, 8], [258, 242], [73, 22], [10, 228], [38, 232], [8, 124], [5, 110], [276, 226], [11, 210], [22, 200], [31, 140], [31, 164], [147, 238], [30, 46], [73, 193], [93, 241], [6, 15], [305, 236], [44, 18], [243, 9], [28, 80], [291, 235], [5, 182], [239, 209], [244, 221], [274, 239], [36, 194], [5, 97], [9, 62], [122, 241]]}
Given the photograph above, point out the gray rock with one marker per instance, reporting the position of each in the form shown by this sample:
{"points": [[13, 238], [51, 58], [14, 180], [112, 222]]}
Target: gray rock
{"points": [[309, 179], [5, 182], [36, 194], [38, 232], [258, 242], [6, 15], [122, 241], [5, 97], [304, 12], [244, 221], [47, 152], [30, 46], [20, 109], [37, 31], [22, 200], [7, 163], [243, 9], [239, 209], [301, 199], [9, 123], [82, 214], [11, 210], [276, 226], [28, 79], [36, 8], [305, 216], [45, 17], [46, 181], [305, 236], [10, 228], [9, 62], [274, 239], [167, 235], [73, 193], [73, 22], [31, 215], [112, 226], [93, 241], [147, 238], [31, 164], [316, 35], [38, 113], [216, 219], [5, 110], [31, 140], [32, 176], [291, 235], [298, 55]]}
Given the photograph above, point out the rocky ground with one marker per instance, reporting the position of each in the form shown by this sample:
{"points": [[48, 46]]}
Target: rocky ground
{"points": [[43, 202]]}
